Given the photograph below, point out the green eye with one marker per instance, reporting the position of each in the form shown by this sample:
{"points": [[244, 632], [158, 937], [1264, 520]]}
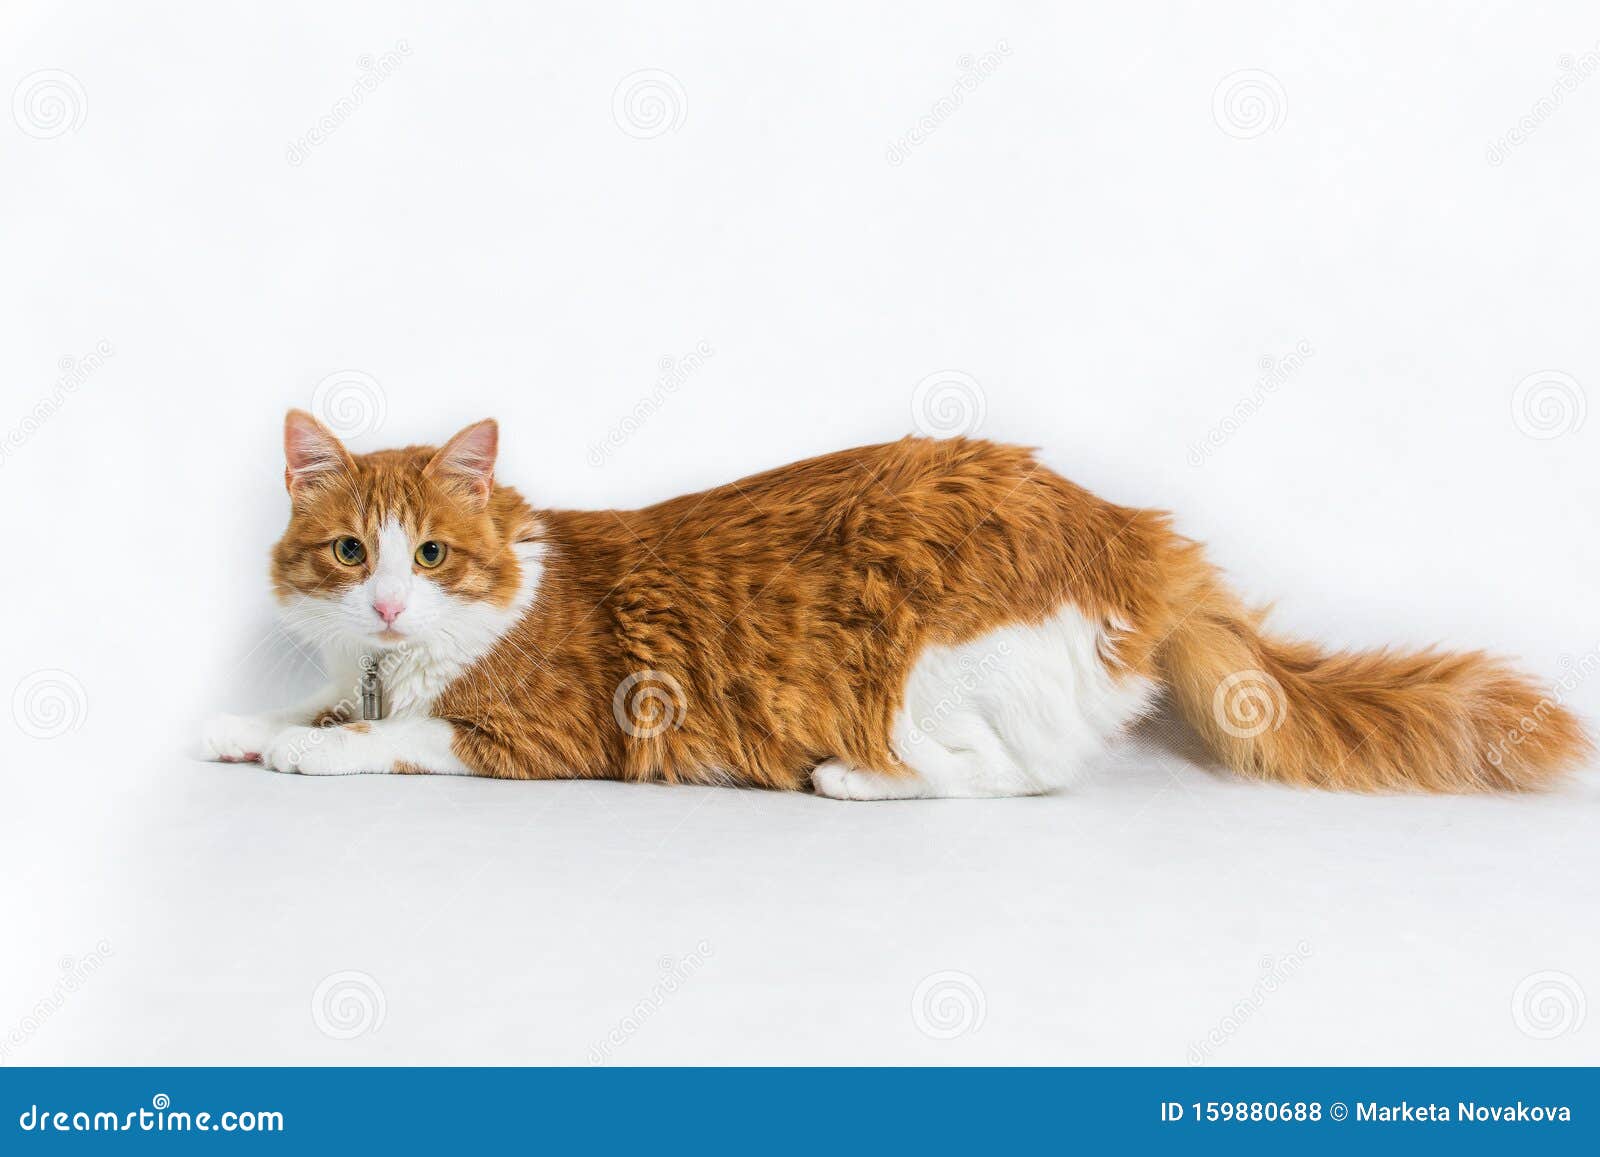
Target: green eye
{"points": [[349, 551], [430, 554]]}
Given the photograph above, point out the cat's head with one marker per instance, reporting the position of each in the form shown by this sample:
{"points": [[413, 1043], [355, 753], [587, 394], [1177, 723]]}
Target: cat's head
{"points": [[416, 546]]}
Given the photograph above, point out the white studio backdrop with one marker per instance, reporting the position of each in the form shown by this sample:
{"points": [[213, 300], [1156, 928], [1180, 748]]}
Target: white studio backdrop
{"points": [[1323, 283]]}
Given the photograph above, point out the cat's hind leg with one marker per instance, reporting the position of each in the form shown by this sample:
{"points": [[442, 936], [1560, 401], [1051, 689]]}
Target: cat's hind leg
{"points": [[980, 771], [964, 758], [1018, 711]]}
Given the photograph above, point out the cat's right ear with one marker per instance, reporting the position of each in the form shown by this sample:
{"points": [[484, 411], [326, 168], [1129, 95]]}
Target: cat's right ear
{"points": [[311, 452]]}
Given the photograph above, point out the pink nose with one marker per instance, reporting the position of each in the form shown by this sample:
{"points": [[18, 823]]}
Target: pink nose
{"points": [[388, 610]]}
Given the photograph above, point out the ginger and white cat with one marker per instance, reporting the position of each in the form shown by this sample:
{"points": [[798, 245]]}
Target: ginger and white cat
{"points": [[919, 619]]}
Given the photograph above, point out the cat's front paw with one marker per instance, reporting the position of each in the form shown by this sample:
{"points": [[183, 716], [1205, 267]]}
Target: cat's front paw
{"points": [[235, 738], [313, 751]]}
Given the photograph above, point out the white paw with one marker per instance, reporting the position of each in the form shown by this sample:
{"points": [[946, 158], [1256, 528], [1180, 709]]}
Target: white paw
{"points": [[235, 738], [838, 780], [312, 751]]}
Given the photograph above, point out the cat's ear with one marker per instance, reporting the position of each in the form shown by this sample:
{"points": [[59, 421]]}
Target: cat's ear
{"points": [[310, 452], [465, 464]]}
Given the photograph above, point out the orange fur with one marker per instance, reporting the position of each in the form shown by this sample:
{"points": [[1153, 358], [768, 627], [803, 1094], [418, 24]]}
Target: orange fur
{"points": [[778, 617]]}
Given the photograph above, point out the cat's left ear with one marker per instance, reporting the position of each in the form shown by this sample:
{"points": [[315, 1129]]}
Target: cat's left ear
{"points": [[465, 464]]}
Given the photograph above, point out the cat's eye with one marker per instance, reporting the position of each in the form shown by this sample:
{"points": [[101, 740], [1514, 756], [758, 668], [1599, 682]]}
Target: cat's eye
{"points": [[349, 550], [430, 554]]}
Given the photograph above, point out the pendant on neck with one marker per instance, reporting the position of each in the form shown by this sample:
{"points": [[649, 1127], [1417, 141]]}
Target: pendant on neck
{"points": [[371, 689]]}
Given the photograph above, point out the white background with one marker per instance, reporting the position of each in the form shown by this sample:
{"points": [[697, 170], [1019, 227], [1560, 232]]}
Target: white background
{"points": [[1091, 236]]}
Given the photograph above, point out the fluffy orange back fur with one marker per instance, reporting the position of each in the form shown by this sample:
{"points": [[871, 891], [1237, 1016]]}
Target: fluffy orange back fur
{"points": [[783, 612]]}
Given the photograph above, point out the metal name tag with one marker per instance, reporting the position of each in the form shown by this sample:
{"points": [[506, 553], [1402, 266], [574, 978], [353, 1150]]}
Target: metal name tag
{"points": [[371, 689]]}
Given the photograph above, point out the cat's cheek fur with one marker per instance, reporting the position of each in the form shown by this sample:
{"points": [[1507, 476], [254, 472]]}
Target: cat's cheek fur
{"points": [[404, 745]]}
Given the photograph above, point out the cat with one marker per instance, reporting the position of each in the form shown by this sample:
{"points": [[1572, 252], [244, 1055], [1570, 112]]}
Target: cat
{"points": [[920, 619]]}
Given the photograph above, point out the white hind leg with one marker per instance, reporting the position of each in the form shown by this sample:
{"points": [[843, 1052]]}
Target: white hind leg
{"points": [[980, 771], [1018, 711], [966, 758]]}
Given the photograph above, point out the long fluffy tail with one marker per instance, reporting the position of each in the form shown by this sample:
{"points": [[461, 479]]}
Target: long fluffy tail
{"points": [[1360, 721]]}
